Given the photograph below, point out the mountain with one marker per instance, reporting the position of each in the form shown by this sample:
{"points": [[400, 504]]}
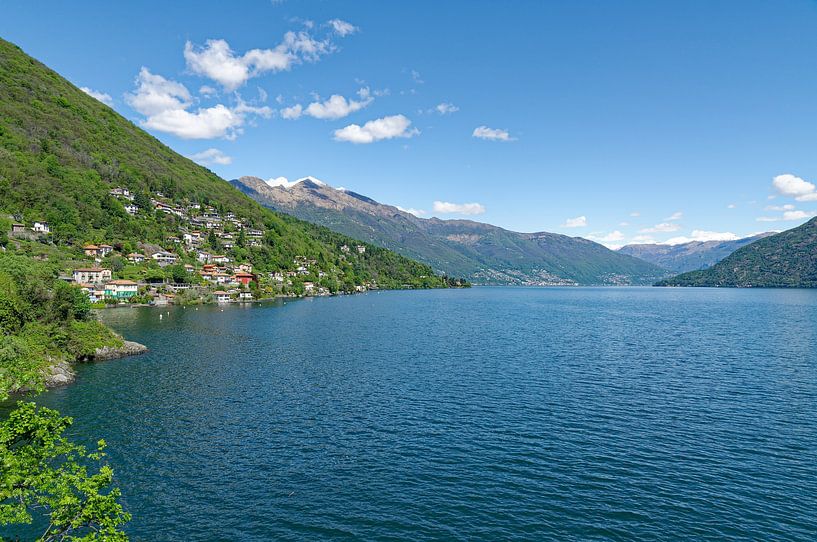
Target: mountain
{"points": [[784, 260], [64, 155], [690, 256], [482, 253]]}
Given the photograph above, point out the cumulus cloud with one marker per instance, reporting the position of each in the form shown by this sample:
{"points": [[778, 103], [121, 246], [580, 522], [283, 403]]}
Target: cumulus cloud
{"points": [[610, 240], [336, 107], [342, 28], [377, 130], [675, 216], [702, 235], [731, 206], [491, 134], [415, 212], [166, 105], [663, 227], [211, 157], [101, 96], [788, 216], [794, 187], [635, 214], [446, 108], [578, 222], [217, 61], [446, 207]]}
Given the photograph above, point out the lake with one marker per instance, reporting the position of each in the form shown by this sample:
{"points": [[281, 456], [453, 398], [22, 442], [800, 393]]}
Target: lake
{"points": [[482, 414]]}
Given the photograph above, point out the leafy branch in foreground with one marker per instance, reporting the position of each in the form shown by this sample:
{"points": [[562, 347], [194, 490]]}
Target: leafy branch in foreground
{"points": [[44, 472]]}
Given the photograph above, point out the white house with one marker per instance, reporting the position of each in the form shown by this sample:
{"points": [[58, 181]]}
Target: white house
{"points": [[219, 258], [136, 257], [131, 209], [245, 296], [221, 296], [164, 258], [91, 275], [41, 227]]}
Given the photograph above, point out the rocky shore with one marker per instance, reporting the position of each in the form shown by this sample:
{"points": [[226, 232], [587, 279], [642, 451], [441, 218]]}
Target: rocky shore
{"points": [[62, 373]]}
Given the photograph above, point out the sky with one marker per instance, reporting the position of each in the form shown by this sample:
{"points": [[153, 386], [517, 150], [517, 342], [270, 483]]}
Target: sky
{"points": [[622, 122]]}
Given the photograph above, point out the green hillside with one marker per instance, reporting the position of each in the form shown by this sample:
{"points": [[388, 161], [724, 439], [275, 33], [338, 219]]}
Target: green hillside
{"points": [[62, 152], [482, 253], [785, 260]]}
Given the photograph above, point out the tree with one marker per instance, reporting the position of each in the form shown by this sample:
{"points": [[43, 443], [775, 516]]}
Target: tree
{"points": [[45, 477], [242, 238], [212, 240]]}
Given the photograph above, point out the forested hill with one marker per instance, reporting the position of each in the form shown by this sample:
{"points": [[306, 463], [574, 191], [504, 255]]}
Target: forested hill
{"points": [[785, 260], [62, 152]]}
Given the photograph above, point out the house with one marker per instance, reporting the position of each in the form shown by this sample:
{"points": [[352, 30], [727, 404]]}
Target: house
{"points": [[244, 278], [18, 228], [189, 268], [41, 227], [221, 296], [123, 193], [121, 289], [205, 257], [135, 257], [97, 251], [164, 258], [219, 258], [131, 209], [91, 275], [360, 249], [254, 233], [245, 267], [95, 294], [344, 248], [245, 296], [309, 287]]}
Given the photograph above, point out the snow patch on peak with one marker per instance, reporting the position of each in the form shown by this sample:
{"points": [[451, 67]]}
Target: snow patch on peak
{"points": [[283, 182]]}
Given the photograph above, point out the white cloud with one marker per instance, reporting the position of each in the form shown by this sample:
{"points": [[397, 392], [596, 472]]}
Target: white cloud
{"points": [[377, 130], [166, 105], [635, 214], [731, 206], [610, 240], [675, 216], [281, 181], [492, 134], [207, 91], [788, 216], [101, 96], [642, 240], [342, 28], [578, 222], [795, 187], [662, 228], [786, 207], [415, 212], [458, 208], [336, 107], [446, 108], [217, 61], [624, 224], [293, 112], [211, 157], [702, 235]]}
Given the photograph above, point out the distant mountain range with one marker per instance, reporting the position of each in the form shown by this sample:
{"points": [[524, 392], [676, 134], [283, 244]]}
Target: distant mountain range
{"points": [[784, 260], [692, 256], [482, 253]]}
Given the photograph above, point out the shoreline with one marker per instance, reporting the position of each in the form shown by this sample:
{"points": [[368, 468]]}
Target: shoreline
{"points": [[63, 373]]}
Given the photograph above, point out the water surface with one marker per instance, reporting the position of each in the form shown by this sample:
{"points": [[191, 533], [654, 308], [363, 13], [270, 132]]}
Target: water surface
{"points": [[482, 414]]}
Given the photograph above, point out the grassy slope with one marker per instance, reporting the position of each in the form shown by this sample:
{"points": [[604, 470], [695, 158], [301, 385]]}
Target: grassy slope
{"points": [[785, 260], [61, 151]]}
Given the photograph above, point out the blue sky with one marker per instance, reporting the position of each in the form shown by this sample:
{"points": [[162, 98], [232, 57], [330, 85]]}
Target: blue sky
{"points": [[618, 121]]}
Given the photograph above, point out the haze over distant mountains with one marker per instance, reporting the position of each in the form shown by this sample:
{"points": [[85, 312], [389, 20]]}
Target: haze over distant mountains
{"points": [[692, 256], [482, 253], [783, 260]]}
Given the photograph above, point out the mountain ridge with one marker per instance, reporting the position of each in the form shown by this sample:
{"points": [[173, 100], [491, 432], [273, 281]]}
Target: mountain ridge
{"points": [[784, 260], [483, 253], [691, 256]]}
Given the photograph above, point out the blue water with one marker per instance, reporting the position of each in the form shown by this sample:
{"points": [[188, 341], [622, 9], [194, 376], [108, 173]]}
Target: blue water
{"points": [[483, 414]]}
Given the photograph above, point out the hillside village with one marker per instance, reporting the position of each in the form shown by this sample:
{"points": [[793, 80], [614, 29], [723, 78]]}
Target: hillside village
{"points": [[206, 260]]}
